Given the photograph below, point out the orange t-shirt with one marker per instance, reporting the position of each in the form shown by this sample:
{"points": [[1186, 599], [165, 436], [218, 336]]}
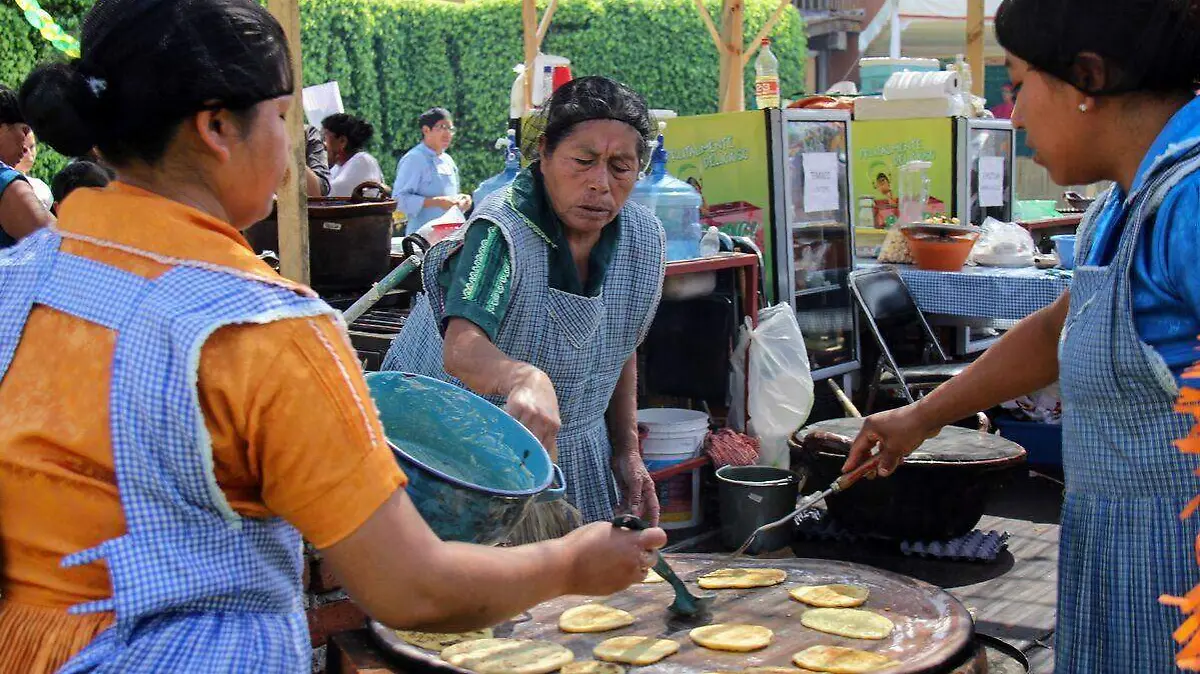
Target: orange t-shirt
{"points": [[294, 432]]}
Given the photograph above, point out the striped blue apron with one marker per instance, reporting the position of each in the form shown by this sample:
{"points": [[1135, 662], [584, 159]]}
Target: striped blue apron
{"points": [[1122, 541], [581, 343], [196, 587]]}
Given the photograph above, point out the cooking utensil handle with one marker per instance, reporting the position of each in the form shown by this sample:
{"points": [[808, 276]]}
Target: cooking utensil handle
{"points": [[631, 522], [381, 288], [553, 493], [868, 467]]}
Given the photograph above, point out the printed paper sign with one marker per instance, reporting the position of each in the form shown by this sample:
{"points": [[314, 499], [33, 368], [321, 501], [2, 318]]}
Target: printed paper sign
{"points": [[821, 182], [991, 182]]}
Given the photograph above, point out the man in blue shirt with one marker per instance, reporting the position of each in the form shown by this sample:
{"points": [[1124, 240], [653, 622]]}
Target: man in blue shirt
{"points": [[426, 177]]}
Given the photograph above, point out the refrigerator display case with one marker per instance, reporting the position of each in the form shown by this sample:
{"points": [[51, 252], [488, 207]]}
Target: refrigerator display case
{"points": [[972, 175], [814, 251], [986, 168]]}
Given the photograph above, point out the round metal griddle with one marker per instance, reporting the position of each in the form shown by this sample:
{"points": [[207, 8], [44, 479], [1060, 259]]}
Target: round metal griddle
{"points": [[933, 630]]}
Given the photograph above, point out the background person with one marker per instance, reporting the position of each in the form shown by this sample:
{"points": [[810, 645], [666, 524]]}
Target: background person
{"points": [[427, 183], [351, 165]]}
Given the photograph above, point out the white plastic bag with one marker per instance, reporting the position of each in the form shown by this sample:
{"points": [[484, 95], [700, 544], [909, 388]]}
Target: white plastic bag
{"points": [[781, 385], [1003, 244]]}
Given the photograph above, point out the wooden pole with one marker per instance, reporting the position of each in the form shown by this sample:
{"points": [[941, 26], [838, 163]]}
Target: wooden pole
{"points": [[544, 25], [708, 23], [529, 21], [975, 44], [733, 96], [752, 48], [292, 196]]}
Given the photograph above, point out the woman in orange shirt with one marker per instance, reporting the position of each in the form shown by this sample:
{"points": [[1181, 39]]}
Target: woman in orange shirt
{"points": [[176, 415]]}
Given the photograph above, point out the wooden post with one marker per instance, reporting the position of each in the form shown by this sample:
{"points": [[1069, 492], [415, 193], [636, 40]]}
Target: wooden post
{"points": [[752, 48], [975, 44], [733, 94], [529, 21], [292, 196]]}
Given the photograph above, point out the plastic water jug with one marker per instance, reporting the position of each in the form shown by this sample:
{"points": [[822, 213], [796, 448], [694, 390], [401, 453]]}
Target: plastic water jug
{"points": [[676, 203], [512, 166]]}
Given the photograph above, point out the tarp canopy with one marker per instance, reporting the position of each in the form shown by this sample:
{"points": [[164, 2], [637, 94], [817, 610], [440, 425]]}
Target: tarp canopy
{"points": [[928, 29]]}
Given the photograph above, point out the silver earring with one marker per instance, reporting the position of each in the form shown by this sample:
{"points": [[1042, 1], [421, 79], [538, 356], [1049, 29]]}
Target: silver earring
{"points": [[1083, 107]]}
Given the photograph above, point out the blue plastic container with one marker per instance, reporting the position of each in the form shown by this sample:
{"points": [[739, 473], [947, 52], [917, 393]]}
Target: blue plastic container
{"points": [[512, 166], [1042, 442], [1064, 245], [472, 469], [676, 203]]}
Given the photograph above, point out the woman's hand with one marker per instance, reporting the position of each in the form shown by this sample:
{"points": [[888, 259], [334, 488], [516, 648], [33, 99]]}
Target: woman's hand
{"points": [[608, 559], [896, 432], [445, 203], [463, 201], [533, 402], [638, 496]]}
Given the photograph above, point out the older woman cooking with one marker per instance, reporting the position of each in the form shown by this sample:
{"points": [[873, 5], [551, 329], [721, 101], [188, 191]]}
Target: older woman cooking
{"points": [[1105, 92], [542, 300]]}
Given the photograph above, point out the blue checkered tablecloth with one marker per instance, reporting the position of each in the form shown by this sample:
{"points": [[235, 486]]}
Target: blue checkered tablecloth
{"points": [[982, 292]]}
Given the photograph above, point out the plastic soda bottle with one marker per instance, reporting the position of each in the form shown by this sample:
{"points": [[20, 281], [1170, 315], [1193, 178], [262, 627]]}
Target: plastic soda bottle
{"points": [[766, 78]]}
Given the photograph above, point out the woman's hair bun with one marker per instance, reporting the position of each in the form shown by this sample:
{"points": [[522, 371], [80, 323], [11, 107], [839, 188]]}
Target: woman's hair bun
{"points": [[63, 107]]}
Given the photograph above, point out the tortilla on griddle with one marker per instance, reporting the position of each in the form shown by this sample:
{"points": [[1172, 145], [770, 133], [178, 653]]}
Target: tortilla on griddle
{"points": [[763, 669], [593, 618], [831, 596], [439, 641], [653, 577], [841, 660], [737, 638], [848, 622], [508, 656], [592, 667], [729, 579], [635, 650]]}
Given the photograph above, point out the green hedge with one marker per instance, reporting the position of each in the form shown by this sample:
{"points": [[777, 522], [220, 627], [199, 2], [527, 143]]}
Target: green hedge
{"points": [[395, 58]]}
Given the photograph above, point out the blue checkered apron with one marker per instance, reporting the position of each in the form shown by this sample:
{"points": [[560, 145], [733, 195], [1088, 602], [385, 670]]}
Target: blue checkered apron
{"points": [[1123, 543], [581, 343], [196, 588]]}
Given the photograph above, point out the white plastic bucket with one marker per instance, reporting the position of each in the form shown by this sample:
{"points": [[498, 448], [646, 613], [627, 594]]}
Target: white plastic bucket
{"points": [[674, 436], [673, 433]]}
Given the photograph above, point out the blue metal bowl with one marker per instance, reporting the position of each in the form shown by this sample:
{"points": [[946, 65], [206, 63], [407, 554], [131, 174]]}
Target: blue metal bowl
{"points": [[472, 469]]}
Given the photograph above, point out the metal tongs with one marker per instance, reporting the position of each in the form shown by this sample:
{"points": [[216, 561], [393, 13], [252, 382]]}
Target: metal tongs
{"points": [[841, 484], [686, 603]]}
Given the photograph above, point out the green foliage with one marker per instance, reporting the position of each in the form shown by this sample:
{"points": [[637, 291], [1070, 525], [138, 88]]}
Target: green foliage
{"points": [[393, 59]]}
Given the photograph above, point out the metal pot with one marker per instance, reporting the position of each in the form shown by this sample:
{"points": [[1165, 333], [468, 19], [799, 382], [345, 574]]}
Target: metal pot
{"points": [[472, 469], [751, 496], [349, 239], [939, 493]]}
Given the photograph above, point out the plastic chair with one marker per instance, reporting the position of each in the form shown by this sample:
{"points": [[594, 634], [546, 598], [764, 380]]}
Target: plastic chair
{"points": [[889, 308]]}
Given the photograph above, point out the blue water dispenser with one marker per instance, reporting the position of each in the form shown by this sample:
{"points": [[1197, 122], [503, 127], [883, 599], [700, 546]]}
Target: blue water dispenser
{"points": [[675, 202]]}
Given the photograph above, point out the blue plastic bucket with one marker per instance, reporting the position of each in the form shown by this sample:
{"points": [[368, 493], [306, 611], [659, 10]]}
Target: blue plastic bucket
{"points": [[1064, 245], [472, 469]]}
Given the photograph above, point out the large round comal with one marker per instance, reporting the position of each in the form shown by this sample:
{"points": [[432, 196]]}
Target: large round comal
{"points": [[473, 470]]}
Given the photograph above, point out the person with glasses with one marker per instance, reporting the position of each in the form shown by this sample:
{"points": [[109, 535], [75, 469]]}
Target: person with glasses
{"points": [[426, 177]]}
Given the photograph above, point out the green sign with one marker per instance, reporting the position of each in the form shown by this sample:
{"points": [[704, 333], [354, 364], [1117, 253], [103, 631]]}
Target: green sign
{"points": [[881, 147], [725, 158]]}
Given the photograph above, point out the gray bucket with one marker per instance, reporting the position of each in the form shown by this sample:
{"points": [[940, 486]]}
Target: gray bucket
{"points": [[751, 496]]}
